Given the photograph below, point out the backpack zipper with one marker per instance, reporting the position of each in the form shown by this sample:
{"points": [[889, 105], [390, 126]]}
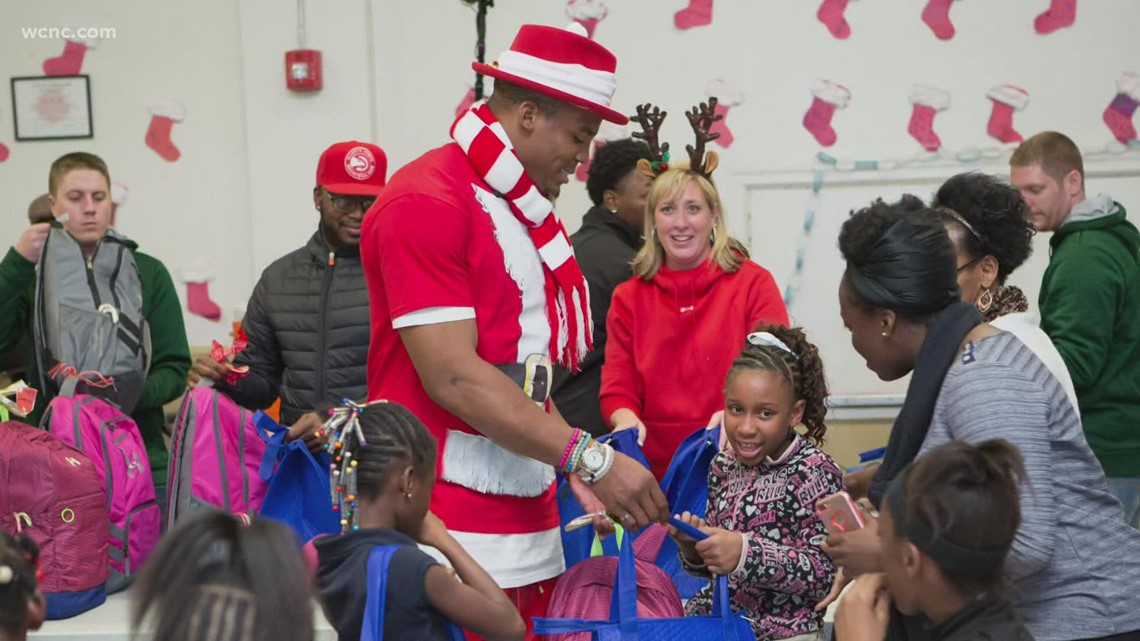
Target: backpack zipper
{"points": [[321, 338]]}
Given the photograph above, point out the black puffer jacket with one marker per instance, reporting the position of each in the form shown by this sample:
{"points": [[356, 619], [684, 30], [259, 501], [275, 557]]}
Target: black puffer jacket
{"points": [[307, 326]]}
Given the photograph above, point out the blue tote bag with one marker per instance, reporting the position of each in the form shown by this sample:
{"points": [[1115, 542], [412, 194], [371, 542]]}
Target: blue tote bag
{"points": [[624, 624], [686, 487], [576, 545], [298, 492], [373, 628]]}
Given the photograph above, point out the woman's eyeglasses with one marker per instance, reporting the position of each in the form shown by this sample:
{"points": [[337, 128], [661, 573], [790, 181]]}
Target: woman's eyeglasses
{"points": [[967, 265], [348, 204]]}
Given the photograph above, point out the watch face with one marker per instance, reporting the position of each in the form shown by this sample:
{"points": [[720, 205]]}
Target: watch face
{"points": [[594, 458]]}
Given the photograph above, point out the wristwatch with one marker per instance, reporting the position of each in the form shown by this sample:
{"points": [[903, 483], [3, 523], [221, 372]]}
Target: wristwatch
{"points": [[596, 462]]}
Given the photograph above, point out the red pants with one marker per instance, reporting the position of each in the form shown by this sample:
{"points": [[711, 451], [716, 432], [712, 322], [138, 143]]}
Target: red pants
{"points": [[531, 601]]}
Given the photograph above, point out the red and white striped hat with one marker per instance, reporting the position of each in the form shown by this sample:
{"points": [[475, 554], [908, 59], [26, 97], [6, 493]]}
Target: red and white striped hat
{"points": [[563, 64]]}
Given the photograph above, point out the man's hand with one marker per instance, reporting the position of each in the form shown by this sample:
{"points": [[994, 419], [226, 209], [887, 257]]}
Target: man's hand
{"points": [[857, 552], [206, 367], [864, 613], [630, 493], [311, 428], [32, 241], [722, 550]]}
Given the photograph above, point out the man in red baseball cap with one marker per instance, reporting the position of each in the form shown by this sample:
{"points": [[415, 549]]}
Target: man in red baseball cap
{"points": [[474, 291], [307, 320]]}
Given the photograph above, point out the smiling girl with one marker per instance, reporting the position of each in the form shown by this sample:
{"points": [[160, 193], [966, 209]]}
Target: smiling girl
{"points": [[762, 526]]}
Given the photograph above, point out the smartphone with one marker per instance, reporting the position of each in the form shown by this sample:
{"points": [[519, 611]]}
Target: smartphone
{"points": [[839, 513]]}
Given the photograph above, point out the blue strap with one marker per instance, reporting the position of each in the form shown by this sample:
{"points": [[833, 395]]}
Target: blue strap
{"points": [[721, 605], [372, 628], [274, 445]]}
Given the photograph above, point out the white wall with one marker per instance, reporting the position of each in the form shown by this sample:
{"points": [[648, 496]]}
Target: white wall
{"points": [[395, 70]]}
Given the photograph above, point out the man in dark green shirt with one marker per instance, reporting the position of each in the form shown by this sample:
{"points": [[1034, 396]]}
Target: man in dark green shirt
{"points": [[1090, 302], [80, 195]]}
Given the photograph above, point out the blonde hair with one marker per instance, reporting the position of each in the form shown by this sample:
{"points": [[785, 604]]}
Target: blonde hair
{"points": [[727, 252]]}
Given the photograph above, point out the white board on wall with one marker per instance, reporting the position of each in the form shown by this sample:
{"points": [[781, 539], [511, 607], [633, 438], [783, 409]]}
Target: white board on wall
{"points": [[776, 204]]}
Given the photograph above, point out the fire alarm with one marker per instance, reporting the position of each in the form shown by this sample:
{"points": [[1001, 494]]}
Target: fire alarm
{"points": [[303, 70]]}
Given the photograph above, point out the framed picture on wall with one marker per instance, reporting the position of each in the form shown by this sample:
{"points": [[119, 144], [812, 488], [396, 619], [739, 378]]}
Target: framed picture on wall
{"points": [[52, 107]]}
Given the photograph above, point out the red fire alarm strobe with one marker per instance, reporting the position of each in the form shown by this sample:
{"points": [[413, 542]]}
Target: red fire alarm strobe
{"points": [[303, 70]]}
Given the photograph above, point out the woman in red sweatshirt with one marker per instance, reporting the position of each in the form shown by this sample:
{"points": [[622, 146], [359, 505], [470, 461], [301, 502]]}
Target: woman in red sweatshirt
{"points": [[675, 327]]}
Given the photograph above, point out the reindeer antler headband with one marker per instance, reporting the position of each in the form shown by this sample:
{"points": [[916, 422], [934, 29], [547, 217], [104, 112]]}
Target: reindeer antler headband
{"points": [[701, 119]]}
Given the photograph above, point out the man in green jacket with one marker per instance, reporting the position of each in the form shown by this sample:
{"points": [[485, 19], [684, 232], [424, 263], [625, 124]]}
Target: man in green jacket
{"points": [[79, 187], [1090, 302]]}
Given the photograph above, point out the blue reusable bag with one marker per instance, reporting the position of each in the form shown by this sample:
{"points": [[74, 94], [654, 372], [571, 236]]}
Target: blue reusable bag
{"points": [[624, 624], [576, 545], [373, 627], [298, 492], [686, 487]]}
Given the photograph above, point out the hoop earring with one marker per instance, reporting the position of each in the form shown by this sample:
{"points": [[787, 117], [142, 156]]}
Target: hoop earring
{"points": [[712, 236], [985, 301]]}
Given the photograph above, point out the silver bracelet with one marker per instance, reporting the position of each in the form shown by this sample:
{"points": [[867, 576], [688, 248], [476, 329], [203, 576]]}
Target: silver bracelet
{"points": [[607, 464]]}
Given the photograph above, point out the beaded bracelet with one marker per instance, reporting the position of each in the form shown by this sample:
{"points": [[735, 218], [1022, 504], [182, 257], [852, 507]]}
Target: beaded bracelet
{"points": [[579, 451], [569, 449]]}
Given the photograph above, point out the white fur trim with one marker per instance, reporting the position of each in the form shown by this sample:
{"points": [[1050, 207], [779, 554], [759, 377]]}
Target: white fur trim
{"points": [[198, 271], [513, 560], [1011, 95], [1129, 83], [433, 316], [586, 10], [832, 92], [167, 109], [725, 93], [522, 262], [476, 462], [591, 85], [578, 28], [929, 96], [119, 193]]}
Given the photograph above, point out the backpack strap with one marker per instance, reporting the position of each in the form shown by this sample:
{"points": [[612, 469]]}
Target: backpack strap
{"points": [[372, 628]]}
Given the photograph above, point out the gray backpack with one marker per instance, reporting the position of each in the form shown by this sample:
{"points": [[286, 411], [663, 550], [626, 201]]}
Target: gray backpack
{"points": [[88, 320]]}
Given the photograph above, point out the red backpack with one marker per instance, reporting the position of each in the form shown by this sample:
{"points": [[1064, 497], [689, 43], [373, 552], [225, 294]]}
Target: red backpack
{"points": [[586, 590], [52, 493]]}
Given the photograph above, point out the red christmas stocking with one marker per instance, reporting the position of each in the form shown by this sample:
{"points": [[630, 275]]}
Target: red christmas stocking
{"points": [[827, 97], [68, 63], [697, 14], [1118, 115], [587, 13], [466, 102], [936, 15], [1006, 100], [727, 97], [831, 14], [583, 171], [163, 116], [4, 153], [927, 101], [1061, 13]]}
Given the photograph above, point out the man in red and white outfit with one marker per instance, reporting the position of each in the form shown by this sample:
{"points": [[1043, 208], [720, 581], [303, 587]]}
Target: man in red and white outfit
{"points": [[474, 289]]}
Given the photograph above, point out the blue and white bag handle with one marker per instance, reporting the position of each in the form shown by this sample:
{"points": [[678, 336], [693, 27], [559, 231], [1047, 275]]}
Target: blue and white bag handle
{"points": [[372, 628]]}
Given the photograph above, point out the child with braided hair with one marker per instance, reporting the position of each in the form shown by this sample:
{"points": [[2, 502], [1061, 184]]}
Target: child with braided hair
{"points": [[763, 529], [383, 473], [22, 607]]}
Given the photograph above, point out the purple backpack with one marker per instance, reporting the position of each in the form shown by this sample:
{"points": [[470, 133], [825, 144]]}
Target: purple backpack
{"points": [[53, 494], [586, 590], [112, 441], [215, 457]]}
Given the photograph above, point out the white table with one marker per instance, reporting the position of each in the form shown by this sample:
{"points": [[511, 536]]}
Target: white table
{"points": [[111, 622]]}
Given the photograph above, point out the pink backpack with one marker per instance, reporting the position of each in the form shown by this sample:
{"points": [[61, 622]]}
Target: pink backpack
{"points": [[53, 494], [585, 591], [112, 441], [215, 457]]}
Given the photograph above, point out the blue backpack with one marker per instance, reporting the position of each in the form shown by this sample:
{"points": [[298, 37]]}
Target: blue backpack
{"points": [[373, 627]]}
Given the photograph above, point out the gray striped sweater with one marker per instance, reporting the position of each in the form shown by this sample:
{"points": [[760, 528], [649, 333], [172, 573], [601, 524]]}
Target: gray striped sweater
{"points": [[1075, 563]]}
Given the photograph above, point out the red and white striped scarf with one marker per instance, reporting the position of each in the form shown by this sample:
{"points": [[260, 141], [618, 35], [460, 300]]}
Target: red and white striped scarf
{"points": [[490, 152]]}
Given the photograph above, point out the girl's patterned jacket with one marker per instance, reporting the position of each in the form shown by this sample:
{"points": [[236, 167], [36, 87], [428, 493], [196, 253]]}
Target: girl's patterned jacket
{"points": [[782, 572]]}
